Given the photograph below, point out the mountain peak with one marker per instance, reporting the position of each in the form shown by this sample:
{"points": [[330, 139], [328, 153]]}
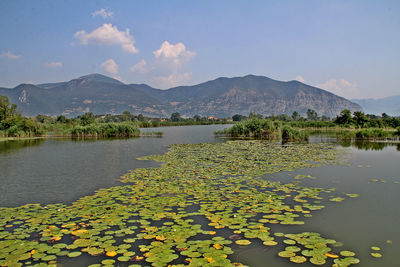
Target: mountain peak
{"points": [[96, 77], [221, 97]]}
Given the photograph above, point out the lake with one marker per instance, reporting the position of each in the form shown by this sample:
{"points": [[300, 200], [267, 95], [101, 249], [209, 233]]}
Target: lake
{"points": [[49, 171]]}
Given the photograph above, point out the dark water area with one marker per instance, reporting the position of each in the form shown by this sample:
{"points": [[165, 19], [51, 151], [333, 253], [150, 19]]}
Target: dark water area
{"points": [[63, 170]]}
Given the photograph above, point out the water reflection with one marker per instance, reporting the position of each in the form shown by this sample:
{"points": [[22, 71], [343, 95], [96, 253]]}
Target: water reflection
{"points": [[13, 145], [368, 145], [65, 169]]}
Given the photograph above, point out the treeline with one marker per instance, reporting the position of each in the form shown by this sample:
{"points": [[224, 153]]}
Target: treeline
{"points": [[346, 125], [269, 129], [357, 119], [13, 124]]}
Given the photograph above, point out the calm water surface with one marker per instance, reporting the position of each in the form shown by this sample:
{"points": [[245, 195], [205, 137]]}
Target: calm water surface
{"points": [[59, 170], [63, 170]]}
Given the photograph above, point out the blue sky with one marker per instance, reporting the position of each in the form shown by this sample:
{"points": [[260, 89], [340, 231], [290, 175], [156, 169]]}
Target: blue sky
{"points": [[350, 48]]}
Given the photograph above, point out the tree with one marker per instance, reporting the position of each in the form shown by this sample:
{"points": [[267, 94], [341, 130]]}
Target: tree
{"points": [[255, 116], [140, 117], [312, 115], [344, 117], [359, 118], [7, 110], [385, 116], [238, 117], [325, 118], [176, 116], [62, 119], [44, 119], [87, 118], [296, 116], [197, 117], [126, 116], [283, 117]]}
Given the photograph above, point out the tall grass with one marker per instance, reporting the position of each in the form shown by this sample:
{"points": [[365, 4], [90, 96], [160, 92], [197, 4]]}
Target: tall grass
{"points": [[371, 133], [264, 129], [105, 130], [251, 128], [312, 124], [293, 134]]}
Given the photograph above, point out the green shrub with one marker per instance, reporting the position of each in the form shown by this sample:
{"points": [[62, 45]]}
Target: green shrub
{"points": [[371, 133], [105, 130], [15, 131], [251, 128], [397, 131], [292, 134]]}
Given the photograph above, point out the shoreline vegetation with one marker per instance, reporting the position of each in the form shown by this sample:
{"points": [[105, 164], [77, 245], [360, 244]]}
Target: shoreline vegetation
{"points": [[289, 128], [296, 128]]}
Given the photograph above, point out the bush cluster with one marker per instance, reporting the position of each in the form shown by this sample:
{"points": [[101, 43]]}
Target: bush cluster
{"points": [[105, 130]]}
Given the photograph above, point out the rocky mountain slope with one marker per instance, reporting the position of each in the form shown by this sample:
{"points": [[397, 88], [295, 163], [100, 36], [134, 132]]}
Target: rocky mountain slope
{"points": [[222, 97]]}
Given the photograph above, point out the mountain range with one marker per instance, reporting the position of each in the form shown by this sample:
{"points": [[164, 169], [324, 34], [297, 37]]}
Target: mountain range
{"points": [[389, 105], [222, 97]]}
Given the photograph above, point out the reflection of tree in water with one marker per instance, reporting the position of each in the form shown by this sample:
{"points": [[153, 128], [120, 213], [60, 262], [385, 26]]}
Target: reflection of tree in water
{"points": [[367, 145], [345, 142], [12, 145]]}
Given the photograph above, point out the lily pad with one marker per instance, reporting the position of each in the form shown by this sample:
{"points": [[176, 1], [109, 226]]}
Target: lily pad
{"points": [[243, 242], [74, 254], [286, 254], [298, 259], [346, 253], [270, 243]]}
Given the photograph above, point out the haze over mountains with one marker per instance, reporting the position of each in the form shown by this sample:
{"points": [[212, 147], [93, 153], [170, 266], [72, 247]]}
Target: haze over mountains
{"points": [[222, 97], [389, 105]]}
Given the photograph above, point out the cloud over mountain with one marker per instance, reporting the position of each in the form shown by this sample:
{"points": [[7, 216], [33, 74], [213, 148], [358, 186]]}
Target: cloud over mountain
{"points": [[107, 34]]}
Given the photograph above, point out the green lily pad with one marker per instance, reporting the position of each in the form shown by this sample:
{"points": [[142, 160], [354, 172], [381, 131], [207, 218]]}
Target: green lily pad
{"points": [[124, 258], [243, 242], [298, 259], [289, 241], [293, 249], [286, 254], [346, 253], [108, 262], [270, 243], [74, 254]]}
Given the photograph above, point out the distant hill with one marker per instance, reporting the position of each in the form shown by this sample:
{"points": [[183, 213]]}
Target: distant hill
{"points": [[222, 97], [390, 105]]}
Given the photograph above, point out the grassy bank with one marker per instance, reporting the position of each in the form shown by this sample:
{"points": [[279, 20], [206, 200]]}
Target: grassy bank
{"points": [[106, 130], [297, 131], [264, 129]]}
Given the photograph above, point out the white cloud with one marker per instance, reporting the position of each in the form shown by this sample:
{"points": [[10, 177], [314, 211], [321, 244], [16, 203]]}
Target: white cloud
{"points": [[172, 80], [53, 65], [300, 78], [140, 67], [107, 34], [167, 69], [10, 55], [341, 87], [103, 13], [110, 66], [173, 53]]}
